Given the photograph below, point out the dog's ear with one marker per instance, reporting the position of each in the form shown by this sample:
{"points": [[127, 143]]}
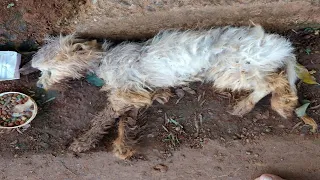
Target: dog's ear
{"points": [[257, 31], [85, 46]]}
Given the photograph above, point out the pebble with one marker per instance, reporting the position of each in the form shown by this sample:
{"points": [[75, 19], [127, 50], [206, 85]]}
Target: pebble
{"points": [[161, 168], [268, 130], [248, 152]]}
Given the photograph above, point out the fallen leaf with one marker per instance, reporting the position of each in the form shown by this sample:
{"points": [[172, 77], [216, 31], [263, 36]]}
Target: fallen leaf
{"points": [[174, 122], [180, 93], [189, 90], [301, 111], [161, 168], [308, 120], [305, 75], [10, 5], [308, 51]]}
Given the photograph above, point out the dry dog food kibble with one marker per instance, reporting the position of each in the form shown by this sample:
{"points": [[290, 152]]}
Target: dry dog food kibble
{"points": [[8, 118]]}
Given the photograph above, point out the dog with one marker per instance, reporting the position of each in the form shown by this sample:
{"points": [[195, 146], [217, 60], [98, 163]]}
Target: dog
{"points": [[136, 74]]}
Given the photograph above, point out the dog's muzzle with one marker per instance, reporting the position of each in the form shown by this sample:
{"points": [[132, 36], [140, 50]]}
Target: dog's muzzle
{"points": [[40, 85]]}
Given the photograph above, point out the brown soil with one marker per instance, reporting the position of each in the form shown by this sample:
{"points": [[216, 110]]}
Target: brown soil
{"points": [[226, 147], [34, 19]]}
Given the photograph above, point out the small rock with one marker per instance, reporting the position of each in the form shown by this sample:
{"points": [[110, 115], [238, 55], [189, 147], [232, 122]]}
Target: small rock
{"points": [[281, 126], [222, 138], [189, 90], [44, 145], [217, 168], [14, 142], [16, 155], [180, 93], [268, 130], [256, 155], [266, 115], [235, 137], [248, 152], [178, 129]]}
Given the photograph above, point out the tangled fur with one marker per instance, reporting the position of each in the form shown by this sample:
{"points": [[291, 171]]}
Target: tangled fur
{"points": [[235, 58]]}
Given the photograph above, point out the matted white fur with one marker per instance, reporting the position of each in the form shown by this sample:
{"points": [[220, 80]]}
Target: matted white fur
{"points": [[236, 58], [229, 57]]}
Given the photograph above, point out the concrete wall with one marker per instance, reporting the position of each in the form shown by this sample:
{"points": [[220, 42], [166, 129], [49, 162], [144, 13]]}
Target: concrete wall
{"points": [[127, 19]]}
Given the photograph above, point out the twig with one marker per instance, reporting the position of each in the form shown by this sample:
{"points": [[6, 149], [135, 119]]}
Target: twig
{"points": [[295, 126], [315, 107], [197, 125], [165, 128], [49, 100], [67, 168]]}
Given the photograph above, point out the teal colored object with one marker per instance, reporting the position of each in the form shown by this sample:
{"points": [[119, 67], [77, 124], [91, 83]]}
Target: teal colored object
{"points": [[94, 80]]}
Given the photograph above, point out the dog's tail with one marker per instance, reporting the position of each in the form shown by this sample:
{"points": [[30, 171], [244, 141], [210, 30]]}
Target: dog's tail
{"points": [[291, 72]]}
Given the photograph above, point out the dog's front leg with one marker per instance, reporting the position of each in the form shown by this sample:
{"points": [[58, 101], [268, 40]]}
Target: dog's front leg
{"points": [[246, 105], [100, 125]]}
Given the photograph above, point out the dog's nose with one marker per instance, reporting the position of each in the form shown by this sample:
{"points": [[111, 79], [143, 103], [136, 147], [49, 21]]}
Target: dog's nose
{"points": [[40, 85]]}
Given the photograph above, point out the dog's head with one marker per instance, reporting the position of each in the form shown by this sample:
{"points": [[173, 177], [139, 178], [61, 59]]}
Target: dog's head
{"points": [[65, 57]]}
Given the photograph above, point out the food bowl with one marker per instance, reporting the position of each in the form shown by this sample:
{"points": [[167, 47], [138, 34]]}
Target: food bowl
{"points": [[16, 110]]}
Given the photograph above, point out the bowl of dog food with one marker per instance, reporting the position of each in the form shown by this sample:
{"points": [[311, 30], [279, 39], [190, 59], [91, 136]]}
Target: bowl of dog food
{"points": [[16, 110]]}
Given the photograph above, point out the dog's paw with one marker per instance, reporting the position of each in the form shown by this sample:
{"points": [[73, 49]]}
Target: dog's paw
{"points": [[80, 146], [122, 152], [242, 108]]}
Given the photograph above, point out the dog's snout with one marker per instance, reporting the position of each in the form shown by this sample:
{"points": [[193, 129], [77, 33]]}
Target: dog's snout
{"points": [[40, 85]]}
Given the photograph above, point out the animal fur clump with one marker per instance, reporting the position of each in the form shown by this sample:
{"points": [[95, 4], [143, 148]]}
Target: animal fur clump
{"points": [[234, 58]]}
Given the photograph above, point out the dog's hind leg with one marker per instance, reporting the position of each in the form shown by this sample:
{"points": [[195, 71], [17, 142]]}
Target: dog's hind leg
{"points": [[100, 125], [129, 135], [129, 128], [284, 96]]}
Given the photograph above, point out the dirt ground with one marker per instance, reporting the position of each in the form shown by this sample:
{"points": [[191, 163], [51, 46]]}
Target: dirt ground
{"points": [[225, 147], [209, 144], [23, 20]]}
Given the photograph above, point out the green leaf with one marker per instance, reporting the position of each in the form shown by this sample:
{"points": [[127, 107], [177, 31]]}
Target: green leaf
{"points": [[94, 80], [308, 51], [10, 5], [301, 111], [174, 122]]}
